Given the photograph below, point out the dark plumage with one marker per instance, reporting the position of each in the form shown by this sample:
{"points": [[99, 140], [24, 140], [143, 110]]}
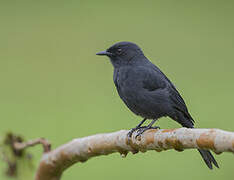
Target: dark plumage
{"points": [[146, 91]]}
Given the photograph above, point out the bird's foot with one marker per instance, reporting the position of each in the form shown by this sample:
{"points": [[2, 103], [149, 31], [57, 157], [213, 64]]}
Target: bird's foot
{"points": [[141, 130], [132, 131]]}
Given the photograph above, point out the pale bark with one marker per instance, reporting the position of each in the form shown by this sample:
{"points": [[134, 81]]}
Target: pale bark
{"points": [[23, 145], [53, 163]]}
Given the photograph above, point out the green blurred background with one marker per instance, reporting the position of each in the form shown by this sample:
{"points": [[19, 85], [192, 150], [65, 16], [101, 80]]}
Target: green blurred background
{"points": [[54, 86]]}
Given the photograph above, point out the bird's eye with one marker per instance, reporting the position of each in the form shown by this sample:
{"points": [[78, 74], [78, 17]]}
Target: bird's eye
{"points": [[119, 51]]}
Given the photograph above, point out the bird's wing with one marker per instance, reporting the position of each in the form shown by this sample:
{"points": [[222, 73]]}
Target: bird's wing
{"points": [[177, 99], [153, 80], [179, 103], [157, 79]]}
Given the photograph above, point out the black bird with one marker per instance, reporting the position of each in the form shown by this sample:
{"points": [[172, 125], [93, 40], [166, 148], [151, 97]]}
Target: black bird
{"points": [[147, 92]]}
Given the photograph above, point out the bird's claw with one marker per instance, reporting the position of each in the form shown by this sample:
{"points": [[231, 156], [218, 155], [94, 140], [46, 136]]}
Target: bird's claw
{"points": [[130, 132], [141, 130], [133, 130]]}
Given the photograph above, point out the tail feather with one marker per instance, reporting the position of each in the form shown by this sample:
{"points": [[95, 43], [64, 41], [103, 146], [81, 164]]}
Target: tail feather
{"points": [[206, 155], [208, 158]]}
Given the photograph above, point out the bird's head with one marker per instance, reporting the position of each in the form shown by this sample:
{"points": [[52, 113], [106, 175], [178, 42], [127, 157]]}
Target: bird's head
{"points": [[122, 53]]}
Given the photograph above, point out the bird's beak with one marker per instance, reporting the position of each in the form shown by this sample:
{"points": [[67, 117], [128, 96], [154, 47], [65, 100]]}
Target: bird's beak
{"points": [[104, 53]]}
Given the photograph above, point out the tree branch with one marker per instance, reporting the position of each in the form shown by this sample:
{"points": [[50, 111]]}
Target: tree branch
{"points": [[23, 145], [53, 163]]}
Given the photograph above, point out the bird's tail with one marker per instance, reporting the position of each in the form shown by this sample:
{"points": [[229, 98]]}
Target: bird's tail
{"points": [[208, 158], [206, 155]]}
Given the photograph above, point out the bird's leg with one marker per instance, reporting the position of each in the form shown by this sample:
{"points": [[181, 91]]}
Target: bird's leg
{"points": [[150, 126], [137, 127]]}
